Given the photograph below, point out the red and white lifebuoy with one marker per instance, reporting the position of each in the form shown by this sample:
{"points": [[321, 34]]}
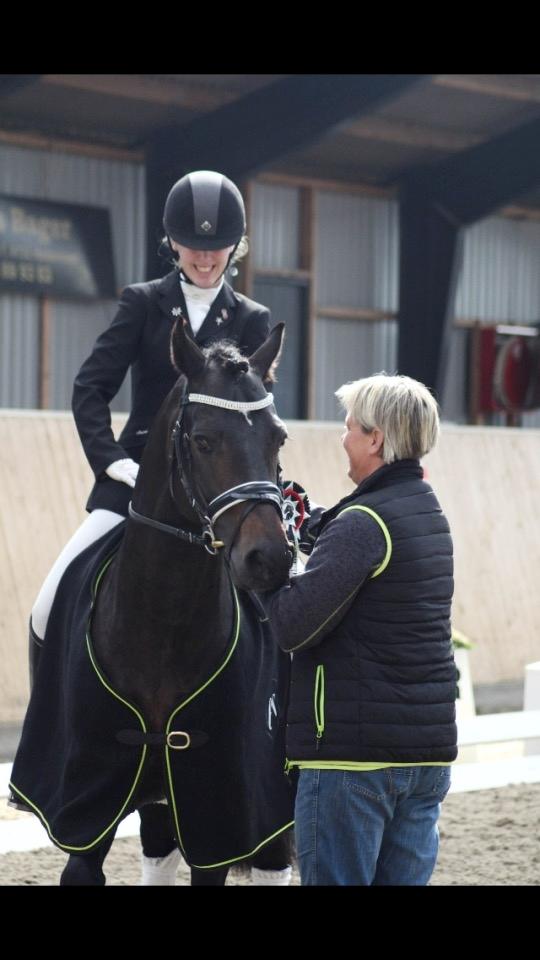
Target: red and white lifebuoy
{"points": [[515, 373]]}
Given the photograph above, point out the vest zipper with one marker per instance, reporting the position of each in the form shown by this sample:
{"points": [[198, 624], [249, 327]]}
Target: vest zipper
{"points": [[319, 703]]}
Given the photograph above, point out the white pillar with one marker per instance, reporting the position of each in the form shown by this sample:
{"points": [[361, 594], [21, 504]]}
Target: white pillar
{"points": [[531, 700], [465, 707], [465, 704]]}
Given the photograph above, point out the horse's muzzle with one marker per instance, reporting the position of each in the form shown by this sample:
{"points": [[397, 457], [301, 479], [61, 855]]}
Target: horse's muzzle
{"points": [[261, 562], [266, 570]]}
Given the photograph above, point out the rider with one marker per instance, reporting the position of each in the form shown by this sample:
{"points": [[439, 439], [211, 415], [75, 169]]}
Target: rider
{"points": [[205, 223]]}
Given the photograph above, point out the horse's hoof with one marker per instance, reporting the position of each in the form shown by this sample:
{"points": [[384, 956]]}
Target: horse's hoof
{"points": [[271, 878], [78, 873]]}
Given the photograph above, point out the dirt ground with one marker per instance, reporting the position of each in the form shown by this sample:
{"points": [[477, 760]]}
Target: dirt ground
{"points": [[488, 837]]}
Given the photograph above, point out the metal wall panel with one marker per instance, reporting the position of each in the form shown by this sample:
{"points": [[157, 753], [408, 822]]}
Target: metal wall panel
{"points": [[19, 348], [346, 350], [454, 402], [116, 185], [500, 279], [287, 302], [75, 331], [275, 227], [357, 252]]}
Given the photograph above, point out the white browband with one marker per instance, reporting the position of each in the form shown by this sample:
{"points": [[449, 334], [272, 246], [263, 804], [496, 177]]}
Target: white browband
{"points": [[239, 405]]}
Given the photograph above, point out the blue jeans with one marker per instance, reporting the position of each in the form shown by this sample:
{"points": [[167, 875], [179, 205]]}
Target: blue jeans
{"points": [[369, 828]]}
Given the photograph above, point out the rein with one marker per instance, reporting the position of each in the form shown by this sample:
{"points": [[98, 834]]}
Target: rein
{"points": [[260, 491]]}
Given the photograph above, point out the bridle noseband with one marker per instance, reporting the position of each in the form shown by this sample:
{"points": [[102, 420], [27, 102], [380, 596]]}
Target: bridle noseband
{"points": [[259, 491]]}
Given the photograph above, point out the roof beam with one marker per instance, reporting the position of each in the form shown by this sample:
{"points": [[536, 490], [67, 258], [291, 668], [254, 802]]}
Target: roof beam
{"points": [[473, 184], [11, 82], [265, 125], [145, 88], [507, 86], [411, 134]]}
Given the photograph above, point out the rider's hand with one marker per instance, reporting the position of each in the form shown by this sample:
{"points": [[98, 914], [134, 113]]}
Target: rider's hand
{"points": [[124, 470]]}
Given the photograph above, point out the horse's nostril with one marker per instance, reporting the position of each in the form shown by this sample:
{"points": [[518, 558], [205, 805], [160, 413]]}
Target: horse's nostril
{"points": [[256, 560], [268, 570]]}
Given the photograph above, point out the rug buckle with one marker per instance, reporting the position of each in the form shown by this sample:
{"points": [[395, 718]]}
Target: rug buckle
{"points": [[178, 733]]}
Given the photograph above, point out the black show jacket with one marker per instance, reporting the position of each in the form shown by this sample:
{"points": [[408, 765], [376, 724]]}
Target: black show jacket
{"points": [[139, 337]]}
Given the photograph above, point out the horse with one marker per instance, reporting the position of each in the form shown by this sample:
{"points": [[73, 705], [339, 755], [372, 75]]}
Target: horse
{"points": [[204, 537]]}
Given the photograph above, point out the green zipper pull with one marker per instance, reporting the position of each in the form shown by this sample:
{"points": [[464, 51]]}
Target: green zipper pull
{"points": [[319, 704]]}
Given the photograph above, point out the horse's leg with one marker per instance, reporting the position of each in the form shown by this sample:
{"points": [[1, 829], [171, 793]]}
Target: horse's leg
{"points": [[208, 878], [271, 866], [160, 855], [86, 871]]}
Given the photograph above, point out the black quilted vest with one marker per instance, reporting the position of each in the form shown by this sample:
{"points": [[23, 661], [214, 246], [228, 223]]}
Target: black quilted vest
{"points": [[382, 685]]}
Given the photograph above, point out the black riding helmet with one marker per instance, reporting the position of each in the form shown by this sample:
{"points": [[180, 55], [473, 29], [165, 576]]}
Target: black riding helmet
{"points": [[205, 211]]}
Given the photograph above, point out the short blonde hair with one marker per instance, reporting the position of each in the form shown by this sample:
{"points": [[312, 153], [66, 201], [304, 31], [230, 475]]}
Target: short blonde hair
{"points": [[401, 408]]}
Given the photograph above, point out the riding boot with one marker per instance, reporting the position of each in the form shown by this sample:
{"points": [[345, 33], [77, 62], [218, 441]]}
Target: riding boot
{"points": [[34, 653]]}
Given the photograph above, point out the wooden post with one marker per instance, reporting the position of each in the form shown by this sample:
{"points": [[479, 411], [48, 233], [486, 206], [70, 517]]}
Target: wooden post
{"points": [[244, 282], [43, 353], [307, 263]]}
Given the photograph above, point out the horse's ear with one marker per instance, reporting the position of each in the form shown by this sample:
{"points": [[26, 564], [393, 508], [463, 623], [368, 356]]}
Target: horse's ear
{"points": [[266, 358], [186, 356]]}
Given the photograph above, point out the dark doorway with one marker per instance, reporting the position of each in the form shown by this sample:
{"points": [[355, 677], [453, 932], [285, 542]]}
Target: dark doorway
{"points": [[287, 301]]}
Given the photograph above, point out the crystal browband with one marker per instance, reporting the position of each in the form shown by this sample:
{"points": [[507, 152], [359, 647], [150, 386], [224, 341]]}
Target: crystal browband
{"points": [[241, 406]]}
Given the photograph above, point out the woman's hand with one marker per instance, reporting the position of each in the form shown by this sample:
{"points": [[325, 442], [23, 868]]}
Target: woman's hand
{"points": [[123, 470]]}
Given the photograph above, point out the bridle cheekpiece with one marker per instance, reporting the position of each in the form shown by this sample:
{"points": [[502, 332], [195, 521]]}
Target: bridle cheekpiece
{"points": [[259, 490]]}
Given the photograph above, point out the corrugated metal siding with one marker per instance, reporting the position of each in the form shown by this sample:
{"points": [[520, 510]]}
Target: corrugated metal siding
{"points": [[114, 184], [454, 403], [531, 419], [357, 252], [275, 227], [75, 331], [19, 345], [346, 350], [500, 280], [117, 185]]}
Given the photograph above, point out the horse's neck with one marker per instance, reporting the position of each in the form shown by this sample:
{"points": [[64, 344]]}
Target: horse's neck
{"points": [[163, 617]]}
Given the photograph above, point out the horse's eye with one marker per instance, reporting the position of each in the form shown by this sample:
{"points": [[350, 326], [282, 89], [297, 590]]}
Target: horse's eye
{"points": [[202, 444]]}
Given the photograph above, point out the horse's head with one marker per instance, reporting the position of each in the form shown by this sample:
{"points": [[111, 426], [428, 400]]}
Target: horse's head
{"points": [[228, 451]]}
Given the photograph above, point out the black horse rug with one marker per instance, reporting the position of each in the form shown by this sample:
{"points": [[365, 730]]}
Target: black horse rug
{"points": [[84, 747]]}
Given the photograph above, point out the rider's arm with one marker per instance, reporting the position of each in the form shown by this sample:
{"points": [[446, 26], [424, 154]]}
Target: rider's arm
{"points": [[101, 377], [307, 609]]}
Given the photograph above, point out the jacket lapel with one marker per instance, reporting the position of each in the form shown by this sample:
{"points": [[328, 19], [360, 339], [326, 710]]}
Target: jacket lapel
{"points": [[218, 321], [171, 298]]}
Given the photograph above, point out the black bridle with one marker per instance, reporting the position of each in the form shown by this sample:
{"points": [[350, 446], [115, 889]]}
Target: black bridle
{"points": [[259, 491]]}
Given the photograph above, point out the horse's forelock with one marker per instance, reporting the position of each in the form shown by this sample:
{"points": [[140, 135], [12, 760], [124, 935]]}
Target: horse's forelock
{"points": [[228, 359]]}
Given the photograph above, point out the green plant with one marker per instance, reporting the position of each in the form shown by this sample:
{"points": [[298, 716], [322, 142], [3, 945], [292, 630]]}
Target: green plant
{"points": [[459, 640]]}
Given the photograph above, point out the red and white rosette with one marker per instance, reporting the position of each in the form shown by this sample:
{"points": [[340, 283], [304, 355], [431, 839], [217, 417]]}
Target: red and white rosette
{"points": [[295, 509]]}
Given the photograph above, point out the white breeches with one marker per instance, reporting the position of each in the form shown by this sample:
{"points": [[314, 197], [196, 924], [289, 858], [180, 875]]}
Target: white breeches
{"points": [[96, 524]]}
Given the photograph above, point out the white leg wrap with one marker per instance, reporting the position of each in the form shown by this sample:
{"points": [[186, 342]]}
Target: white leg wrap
{"points": [[271, 878], [160, 871]]}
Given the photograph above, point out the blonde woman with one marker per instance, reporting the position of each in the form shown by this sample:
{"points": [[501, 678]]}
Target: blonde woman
{"points": [[371, 723]]}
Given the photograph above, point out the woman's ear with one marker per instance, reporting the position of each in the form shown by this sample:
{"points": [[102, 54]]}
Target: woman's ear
{"points": [[377, 439]]}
